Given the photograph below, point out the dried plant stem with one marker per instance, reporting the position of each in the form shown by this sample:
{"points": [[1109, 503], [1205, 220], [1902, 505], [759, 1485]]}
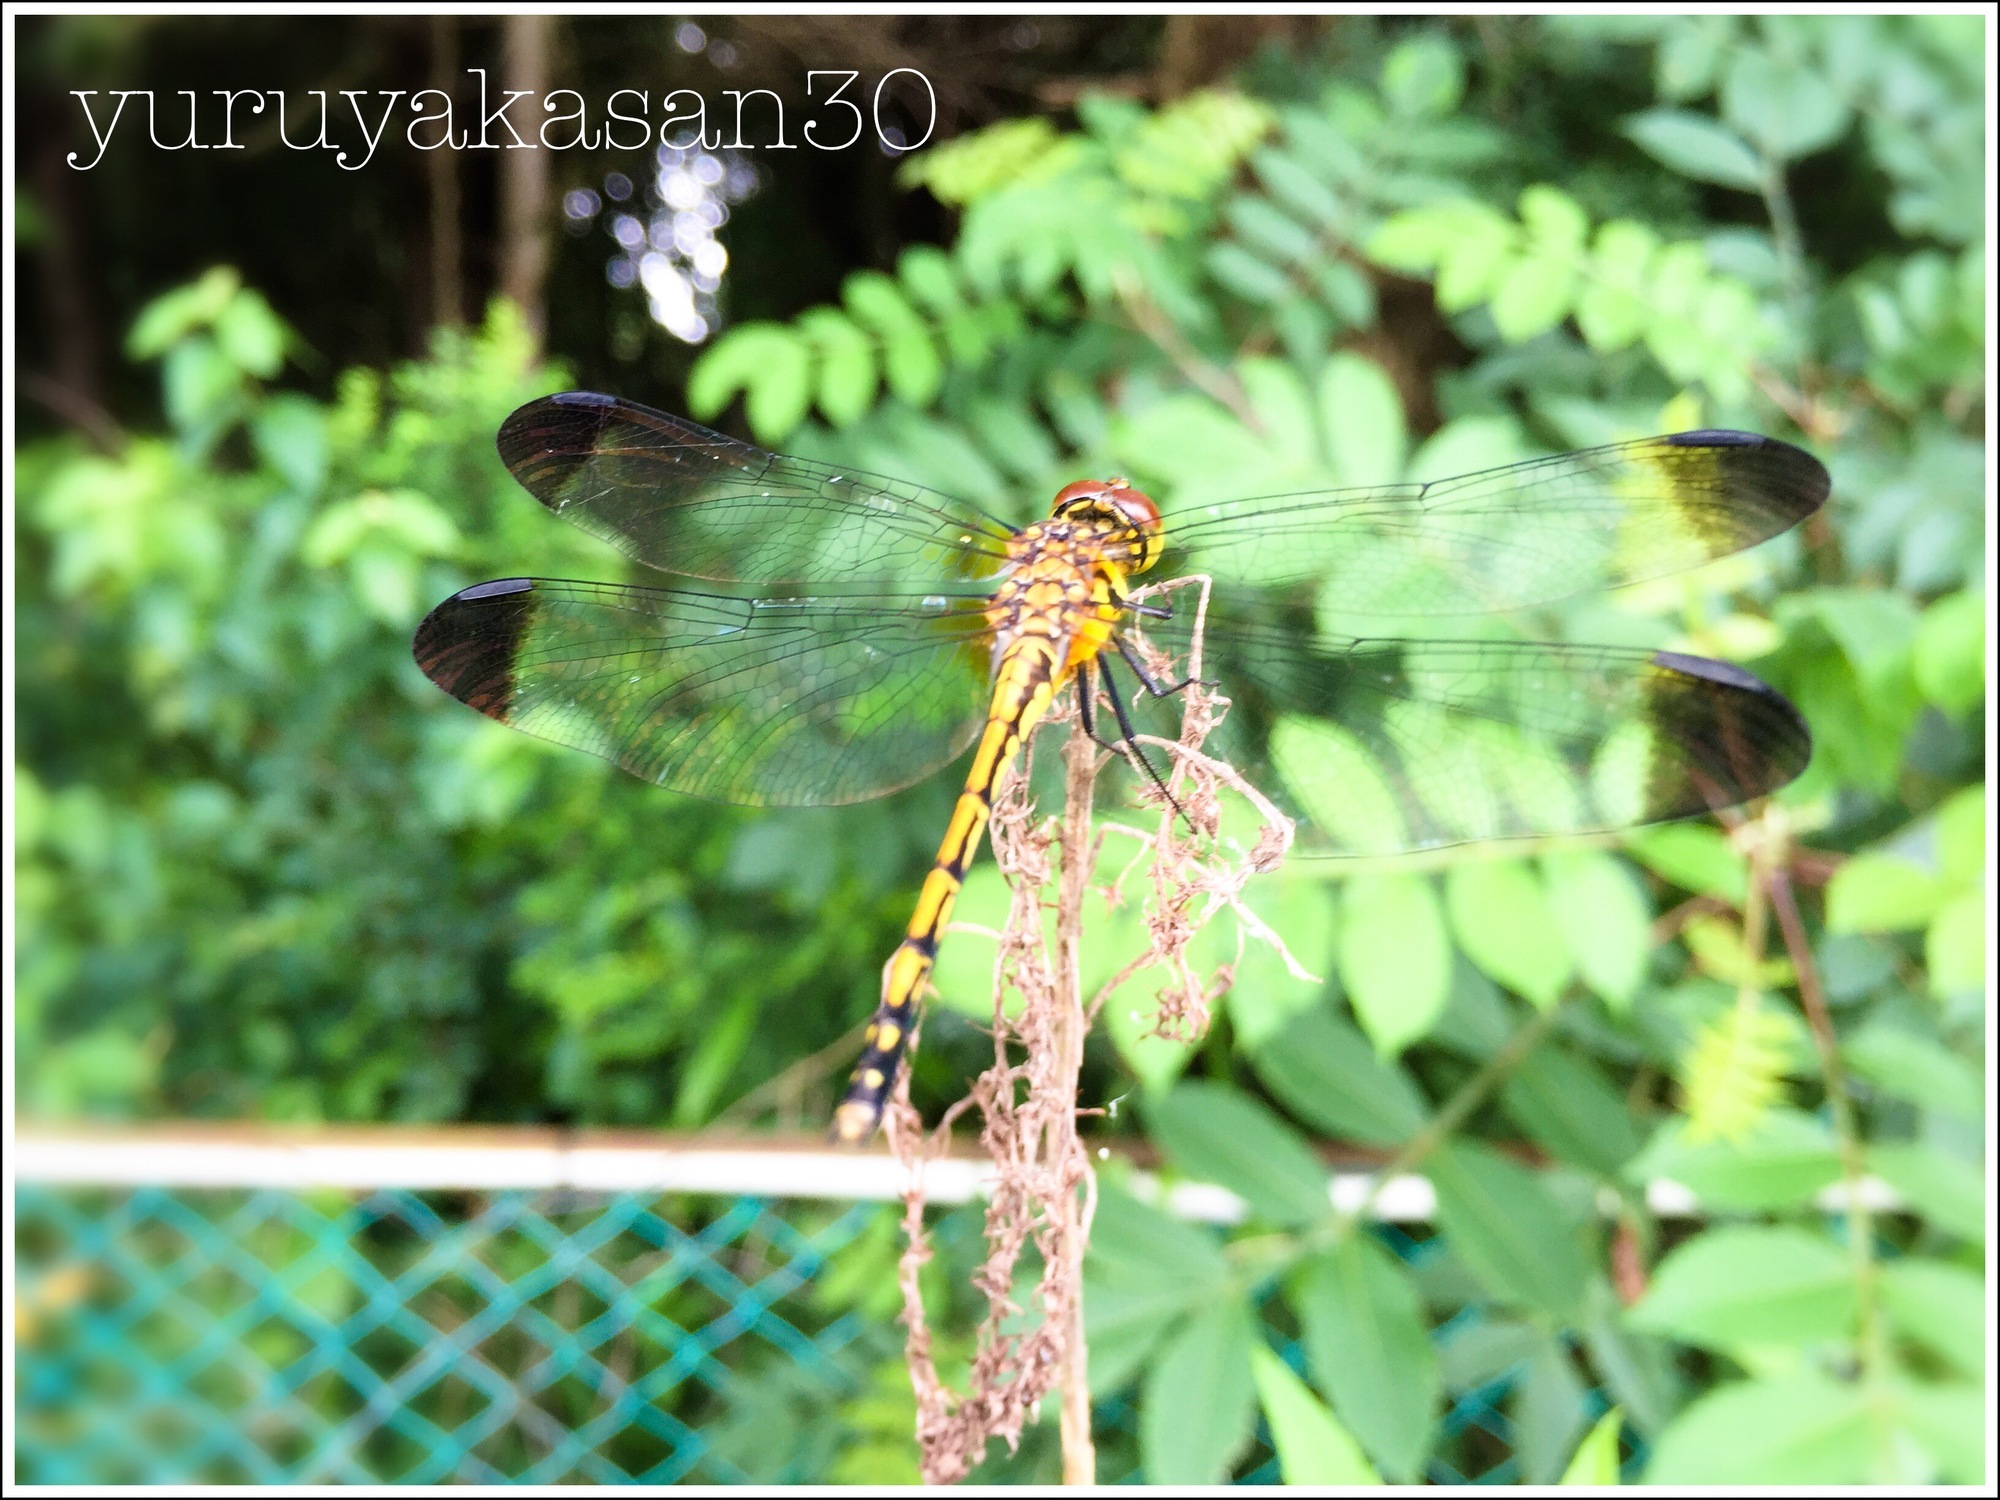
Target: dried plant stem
{"points": [[1079, 852], [1043, 1189]]}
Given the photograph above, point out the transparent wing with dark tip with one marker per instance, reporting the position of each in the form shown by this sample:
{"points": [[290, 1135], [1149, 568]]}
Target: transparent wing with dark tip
{"points": [[764, 702], [685, 500], [1385, 746], [1524, 534]]}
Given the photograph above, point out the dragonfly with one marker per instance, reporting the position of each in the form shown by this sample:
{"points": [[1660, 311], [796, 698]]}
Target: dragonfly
{"points": [[834, 636]]}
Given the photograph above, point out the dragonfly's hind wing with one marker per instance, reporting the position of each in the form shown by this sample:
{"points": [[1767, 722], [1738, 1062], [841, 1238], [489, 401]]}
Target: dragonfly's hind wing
{"points": [[1523, 534], [1386, 746], [764, 702], [685, 500]]}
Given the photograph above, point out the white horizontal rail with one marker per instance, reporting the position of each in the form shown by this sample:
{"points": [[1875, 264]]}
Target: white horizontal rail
{"points": [[438, 1161]]}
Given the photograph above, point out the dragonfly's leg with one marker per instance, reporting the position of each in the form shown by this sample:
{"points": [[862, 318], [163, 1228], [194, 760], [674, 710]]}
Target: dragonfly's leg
{"points": [[1131, 738], [1152, 684], [1086, 705]]}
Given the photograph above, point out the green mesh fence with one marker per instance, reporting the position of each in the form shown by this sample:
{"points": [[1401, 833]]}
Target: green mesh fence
{"points": [[223, 1336]]}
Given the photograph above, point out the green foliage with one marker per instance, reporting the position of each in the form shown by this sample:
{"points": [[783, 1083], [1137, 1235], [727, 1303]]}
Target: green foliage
{"points": [[1364, 1330], [266, 871], [1596, 1458], [263, 868], [1734, 1073], [1313, 1448]]}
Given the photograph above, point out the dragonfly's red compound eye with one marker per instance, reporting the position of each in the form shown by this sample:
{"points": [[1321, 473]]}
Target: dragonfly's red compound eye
{"points": [[1136, 506], [1081, 493], [1108, 496]]}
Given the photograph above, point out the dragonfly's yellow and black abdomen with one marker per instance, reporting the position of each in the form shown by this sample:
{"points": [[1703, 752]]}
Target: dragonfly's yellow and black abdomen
{"points": [[1054, 610]]}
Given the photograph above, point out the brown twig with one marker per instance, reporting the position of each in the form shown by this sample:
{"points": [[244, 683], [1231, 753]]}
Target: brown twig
{"points": [[1771, 861]]}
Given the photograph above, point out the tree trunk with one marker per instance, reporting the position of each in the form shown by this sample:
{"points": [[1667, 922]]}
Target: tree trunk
{"points": [[524, 175], [447, 254]]}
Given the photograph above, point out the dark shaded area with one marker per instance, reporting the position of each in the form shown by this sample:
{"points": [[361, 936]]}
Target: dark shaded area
{"points": [[350, 256]]}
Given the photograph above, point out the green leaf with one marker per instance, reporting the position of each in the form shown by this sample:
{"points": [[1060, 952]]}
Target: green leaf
{"points": [[1881, 893], [1296, 187], [1134, 1241], [1266, 996], [1556, 223], [1466, 445], [876, 302], [1696, 146], [1550, 1410], [1325, 1072], [1192, 439], [846, 364], [1241, 271], [1414, 240], [1912, 1066], [1875, 628], [910, 358], [1423, 77], [926, 274], [1280, 399], [1472, 260], [1781, 104], [1961, 836], [251, 335], [1605, 920], [1730, 1287], [1199, 1399], [1689, 54], [1950, 1422], [1796, 1429], [1144, 1271], [1347, 291], [172, 316], [1942, 1307], [290, 432], [199, 385], [1532, 296], [1217, 1134], [767, 361], [1610, 317], [1944, 1189], [1787, 1161], [914, 368], [713, 1059], [1955, 944], [1313, 1448], [1269, 232], [1363, 1326], [1477, 1019], [1563, 1100], [1304, 328], [1508, 1228], [1395, 960], [1155, 1060], [1595, 1461], [1693, 856], [1362, 419], [1493, 1348], [1501, 915]]}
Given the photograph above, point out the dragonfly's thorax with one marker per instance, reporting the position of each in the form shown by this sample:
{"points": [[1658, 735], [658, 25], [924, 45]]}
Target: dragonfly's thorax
{"points": [[1060, 585]]}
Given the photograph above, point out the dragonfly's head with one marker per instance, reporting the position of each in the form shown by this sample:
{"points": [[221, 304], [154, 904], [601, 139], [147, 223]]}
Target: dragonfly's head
{"points": [[1115, 500]]}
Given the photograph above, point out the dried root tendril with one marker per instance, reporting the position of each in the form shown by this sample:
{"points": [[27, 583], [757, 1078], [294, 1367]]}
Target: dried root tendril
{"points": [[1043, 1188]]}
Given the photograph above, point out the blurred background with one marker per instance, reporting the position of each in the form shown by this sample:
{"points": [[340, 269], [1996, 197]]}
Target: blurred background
{"points": [[271, 884]]}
